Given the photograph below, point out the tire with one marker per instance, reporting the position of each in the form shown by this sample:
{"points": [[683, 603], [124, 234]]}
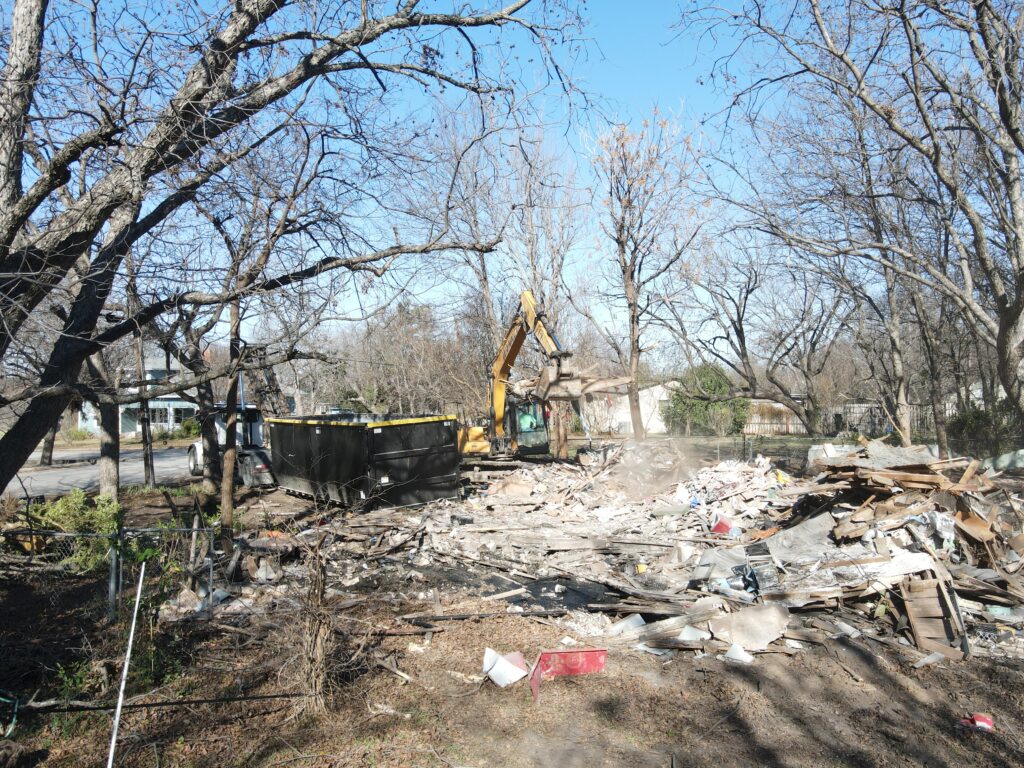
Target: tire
{"points": [[246, 472], [194, 467]]}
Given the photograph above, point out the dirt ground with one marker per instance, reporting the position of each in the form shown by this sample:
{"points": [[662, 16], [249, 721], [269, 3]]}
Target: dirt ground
{"points": [[844, 704], [847, 703]]}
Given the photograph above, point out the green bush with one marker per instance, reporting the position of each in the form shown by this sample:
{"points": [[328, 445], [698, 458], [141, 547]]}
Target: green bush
{"points": [[76, 434], [74, 513], [692, 406], [190, 428], [975, 431]]}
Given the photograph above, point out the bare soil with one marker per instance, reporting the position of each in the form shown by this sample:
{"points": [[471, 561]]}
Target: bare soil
{"points": [[845, 704]]}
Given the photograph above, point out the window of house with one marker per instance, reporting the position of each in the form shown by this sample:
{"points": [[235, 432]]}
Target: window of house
{"points": [[180, 414], [158, 415]]}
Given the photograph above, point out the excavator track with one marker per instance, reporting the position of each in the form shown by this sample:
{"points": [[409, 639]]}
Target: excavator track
{"points": [[478, 471]]}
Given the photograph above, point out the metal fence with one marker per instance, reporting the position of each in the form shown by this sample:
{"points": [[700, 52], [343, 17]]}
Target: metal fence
{"points": [[52, 560], [174, 557], [790, 453]]}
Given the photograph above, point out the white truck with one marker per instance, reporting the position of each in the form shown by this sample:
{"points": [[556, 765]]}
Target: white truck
{"points": [[252, 464]]}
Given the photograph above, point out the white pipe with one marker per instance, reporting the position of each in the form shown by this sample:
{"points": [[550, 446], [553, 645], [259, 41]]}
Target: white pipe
{"points": [[124, 672]]}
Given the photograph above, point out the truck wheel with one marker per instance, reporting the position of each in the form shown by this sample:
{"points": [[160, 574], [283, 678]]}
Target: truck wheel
{"points": [[194, 467], [247, 479]]}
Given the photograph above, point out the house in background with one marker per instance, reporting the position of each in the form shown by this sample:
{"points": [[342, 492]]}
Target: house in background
{"points": [[609, 414], [166, 413]]}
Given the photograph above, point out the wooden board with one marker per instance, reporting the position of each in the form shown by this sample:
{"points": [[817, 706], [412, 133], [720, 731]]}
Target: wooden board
{"points": [[933, 618]]}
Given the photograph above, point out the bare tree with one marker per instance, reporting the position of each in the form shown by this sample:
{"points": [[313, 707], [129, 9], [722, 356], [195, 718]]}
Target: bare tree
{"points": [[647, 213], [937, 85], [163, 104], [773, 328]]}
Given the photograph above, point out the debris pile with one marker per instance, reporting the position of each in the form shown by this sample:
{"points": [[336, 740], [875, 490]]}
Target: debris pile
{"points": [[890, 543], [884, 545]]}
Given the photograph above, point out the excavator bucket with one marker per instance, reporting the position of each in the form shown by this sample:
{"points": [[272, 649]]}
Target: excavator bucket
{"points": [[563, 383], [558, 383]]}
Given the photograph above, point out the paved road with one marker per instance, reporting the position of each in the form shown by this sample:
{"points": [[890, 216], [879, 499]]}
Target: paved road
{"points": [[170, 464]]}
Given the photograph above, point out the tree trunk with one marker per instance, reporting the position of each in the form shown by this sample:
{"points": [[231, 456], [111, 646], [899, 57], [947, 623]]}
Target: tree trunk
{"points": [[227, 483], [110, 450], [633, 388], [17, 444], [635, 416], [809, 418], [149, 472], [211, 449], [935, 394], [46, 455], [110, 427], [988, 378], [901, 399], [1009, 374], [68, 354], [902, 411]]}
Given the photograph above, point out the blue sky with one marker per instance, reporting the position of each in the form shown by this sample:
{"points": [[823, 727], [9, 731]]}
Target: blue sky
{"points": [[638, 61], [635, 59]]}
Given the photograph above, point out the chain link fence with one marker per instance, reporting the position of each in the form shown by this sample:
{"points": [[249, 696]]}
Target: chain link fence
{"points": [[176, 558], [787, 452], [53, 561]]}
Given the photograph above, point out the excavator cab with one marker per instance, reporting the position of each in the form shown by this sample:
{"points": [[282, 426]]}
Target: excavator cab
{"points": [[526, 423]]}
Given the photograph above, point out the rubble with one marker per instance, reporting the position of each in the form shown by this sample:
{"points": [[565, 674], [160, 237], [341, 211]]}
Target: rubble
{"points": [[877, 545]]}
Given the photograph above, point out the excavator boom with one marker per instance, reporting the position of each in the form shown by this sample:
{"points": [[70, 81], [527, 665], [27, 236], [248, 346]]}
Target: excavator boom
{"points": [[555, 375]]}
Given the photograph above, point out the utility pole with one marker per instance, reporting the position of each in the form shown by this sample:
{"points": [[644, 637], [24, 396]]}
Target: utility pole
{"points": [[147, 435]]}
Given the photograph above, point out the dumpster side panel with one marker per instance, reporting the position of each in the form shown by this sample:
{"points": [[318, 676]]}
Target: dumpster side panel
{"points": [[341, 461], [413, 461], [290, 455], [397, 461], [320, 458]]}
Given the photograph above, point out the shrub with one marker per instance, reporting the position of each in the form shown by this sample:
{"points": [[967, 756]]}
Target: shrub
{"points": [[690, 406], [975, 431], [76, 434], [74, 513], [190, 428]]}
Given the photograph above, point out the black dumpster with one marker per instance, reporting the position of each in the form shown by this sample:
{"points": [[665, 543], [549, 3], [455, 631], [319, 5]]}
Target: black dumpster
{"points": [[367, 459]]}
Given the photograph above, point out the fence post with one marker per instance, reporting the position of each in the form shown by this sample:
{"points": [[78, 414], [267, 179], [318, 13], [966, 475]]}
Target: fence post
{"points": [[209, 586], [112, 578]]}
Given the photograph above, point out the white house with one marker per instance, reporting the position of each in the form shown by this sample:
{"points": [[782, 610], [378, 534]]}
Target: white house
{"points": [[609, 414]]}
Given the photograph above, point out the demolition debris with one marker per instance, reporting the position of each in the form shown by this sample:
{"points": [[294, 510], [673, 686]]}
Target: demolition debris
{"points": [[632, 550]]}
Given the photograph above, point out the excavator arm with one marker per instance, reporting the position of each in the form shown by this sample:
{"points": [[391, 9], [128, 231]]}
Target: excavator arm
{"points": [[529, 319], [555, 381]]}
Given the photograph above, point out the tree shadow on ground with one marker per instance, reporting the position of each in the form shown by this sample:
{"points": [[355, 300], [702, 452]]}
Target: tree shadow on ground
{"points": [[871, 711]]}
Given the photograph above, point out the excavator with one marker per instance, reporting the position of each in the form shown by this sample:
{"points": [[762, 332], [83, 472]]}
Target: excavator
{"points": [[517, 424]]}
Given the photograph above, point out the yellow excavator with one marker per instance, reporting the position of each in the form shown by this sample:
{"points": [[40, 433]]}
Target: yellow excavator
{"points": [[517, 424]]}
